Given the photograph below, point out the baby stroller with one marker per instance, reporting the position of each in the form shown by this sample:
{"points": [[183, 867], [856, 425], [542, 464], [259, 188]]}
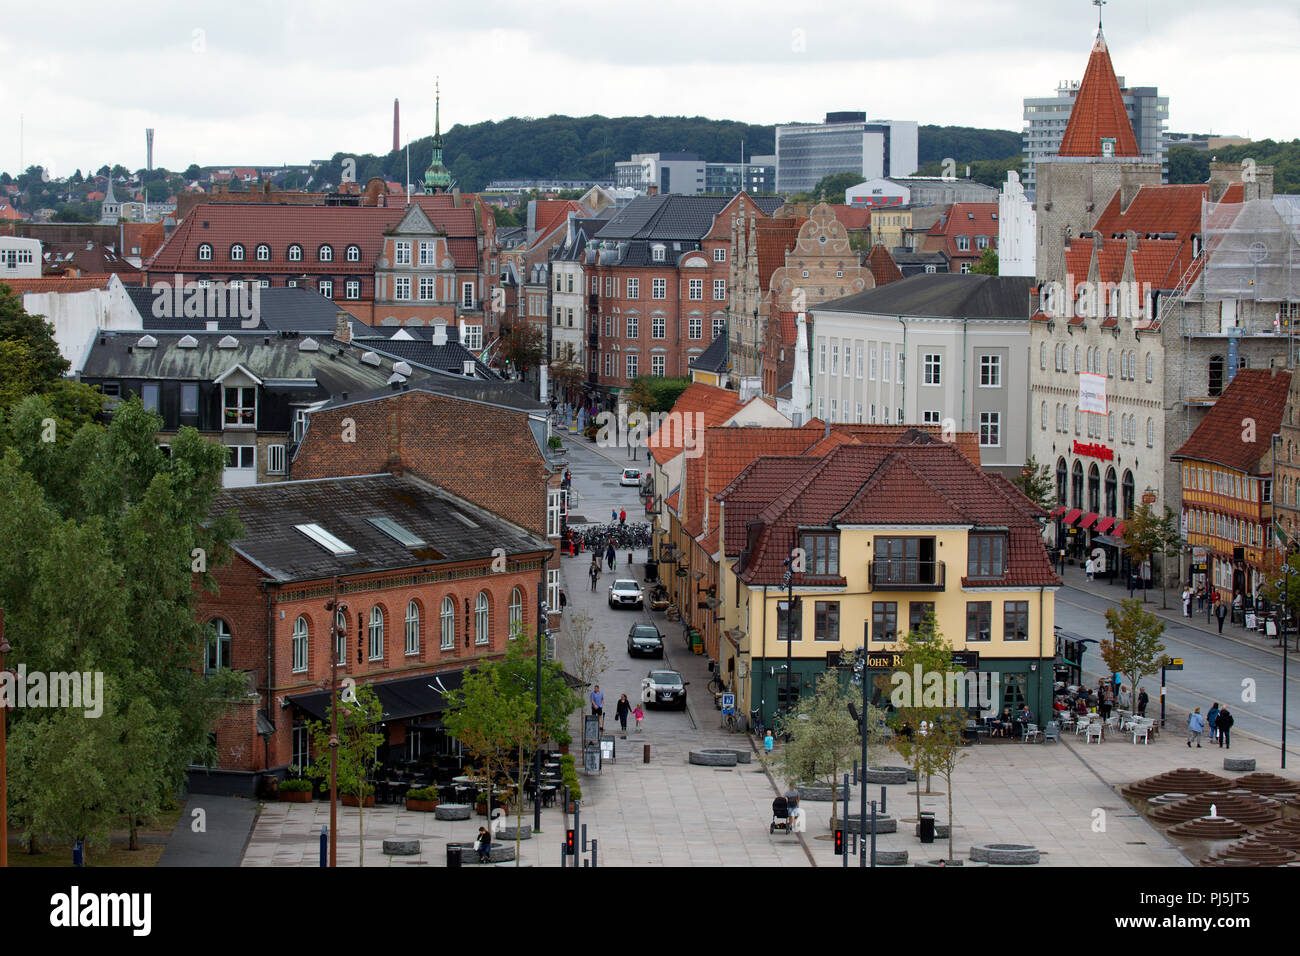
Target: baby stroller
{"points": [[780, 816]]}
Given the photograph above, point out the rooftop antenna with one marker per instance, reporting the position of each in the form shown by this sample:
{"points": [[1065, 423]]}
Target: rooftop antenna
{"points": [[1099, 4]]}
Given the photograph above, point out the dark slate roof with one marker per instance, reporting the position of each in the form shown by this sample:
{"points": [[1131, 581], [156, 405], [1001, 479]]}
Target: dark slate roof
{"points": [[907, 257], [280, 310], [505, 394], [444, 358], [583, 230], [118, 355], [674, 217], [943, 295], [270, 512], [714, 358]]}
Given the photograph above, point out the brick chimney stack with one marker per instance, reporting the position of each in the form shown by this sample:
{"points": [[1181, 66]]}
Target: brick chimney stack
{"points": [[343, 328]]}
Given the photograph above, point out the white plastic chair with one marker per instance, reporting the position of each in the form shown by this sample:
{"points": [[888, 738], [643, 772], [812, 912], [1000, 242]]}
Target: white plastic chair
{"points": [[1094, 730], [1031, 733], [1143, 731], [1053, 732], [1081, 725]]}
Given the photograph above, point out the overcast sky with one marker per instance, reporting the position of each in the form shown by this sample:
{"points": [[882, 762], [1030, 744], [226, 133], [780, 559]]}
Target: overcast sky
{"points": [[242, 83]]}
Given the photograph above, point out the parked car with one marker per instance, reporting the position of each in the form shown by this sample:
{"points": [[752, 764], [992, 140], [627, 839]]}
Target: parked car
{"points": [[631, 476], [624, 592], [645, 639], [665, 687]]}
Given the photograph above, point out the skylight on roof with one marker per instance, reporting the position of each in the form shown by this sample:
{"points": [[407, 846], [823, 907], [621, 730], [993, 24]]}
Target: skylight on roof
{"points": [[465, 519], [325, 539], [395, 531]]}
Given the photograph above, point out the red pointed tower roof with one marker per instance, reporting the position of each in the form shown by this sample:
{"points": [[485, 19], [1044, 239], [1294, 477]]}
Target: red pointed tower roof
{"points": [[1098, 111]]}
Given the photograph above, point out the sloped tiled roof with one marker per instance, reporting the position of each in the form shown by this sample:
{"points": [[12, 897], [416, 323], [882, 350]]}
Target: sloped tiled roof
{"points": [[713, 406], [714, 358], [1098, 111], [674, 217], [966, 442], [1256, 394], [80, 284], [950, 295], [968, 219], [776, 237], [882, 265], [853, 217], [761, 480]]}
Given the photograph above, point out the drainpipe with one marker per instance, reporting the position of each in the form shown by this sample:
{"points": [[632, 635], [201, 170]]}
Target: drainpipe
{"points": [[902, 384], [1037, 708], [762, 700], [270, 641], [963, 374]]}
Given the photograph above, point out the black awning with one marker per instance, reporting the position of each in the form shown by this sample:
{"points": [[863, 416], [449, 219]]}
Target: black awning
{"points": [[401, 699]]}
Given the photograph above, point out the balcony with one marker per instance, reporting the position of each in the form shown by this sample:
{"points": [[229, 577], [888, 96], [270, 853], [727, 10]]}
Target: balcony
{"points": [[899, 574]]}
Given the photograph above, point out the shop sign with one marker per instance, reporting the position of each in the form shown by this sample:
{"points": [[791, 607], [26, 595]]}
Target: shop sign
{"points": [[1093, 450]]}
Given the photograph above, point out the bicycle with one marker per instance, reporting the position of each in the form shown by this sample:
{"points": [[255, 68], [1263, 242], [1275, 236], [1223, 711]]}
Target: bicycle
{"points": [[716, 684], [731, 723]]}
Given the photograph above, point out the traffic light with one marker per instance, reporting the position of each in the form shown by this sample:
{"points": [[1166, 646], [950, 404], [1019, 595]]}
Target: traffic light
{"points": [[839, 842], [568, 842]]}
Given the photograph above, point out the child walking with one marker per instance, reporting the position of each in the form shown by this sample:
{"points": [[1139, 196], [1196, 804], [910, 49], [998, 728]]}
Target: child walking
{"points": [[639, 714]]}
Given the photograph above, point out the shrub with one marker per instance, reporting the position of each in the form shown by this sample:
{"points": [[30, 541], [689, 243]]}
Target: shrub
{"points": [[422, 793], [295, 786]]}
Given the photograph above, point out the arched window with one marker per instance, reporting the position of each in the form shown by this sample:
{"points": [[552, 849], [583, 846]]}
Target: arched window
{"points": [[1044, 417], [205, 252], [1076, 358], [1110, 426], [1042, 355], [218, 655], [1110, 363], [300, 642], [353, 254], [516, 613], [1061, 474], [1111, 492], [263, 252], [295, 253], [1078, 416], [325, 253], [237, 253], [1094, 489], [412, 628], [1151, 433], [341, 638], [376, 633], [1126, 494], [482, 634], [1151, 367], [1076, 481], [448, 624]]}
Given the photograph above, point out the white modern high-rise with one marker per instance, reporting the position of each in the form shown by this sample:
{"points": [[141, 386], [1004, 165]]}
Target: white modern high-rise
{"points": [[1047, 116], [845, 142]]}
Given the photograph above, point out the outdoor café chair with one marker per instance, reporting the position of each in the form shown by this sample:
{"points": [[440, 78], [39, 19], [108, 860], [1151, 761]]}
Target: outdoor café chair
{"points": [[1032, 733], [1094, 730]]}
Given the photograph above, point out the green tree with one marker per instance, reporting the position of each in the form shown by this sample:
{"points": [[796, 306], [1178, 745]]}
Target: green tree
{"points": [[987, 264], [654, 393], [32, 331], [1134, 649], [1142, 537], [354, 755], [1035, 482], [1168, 535], [824, 738], [523, 346], [924, 651], [831, 188], [945, 748]]}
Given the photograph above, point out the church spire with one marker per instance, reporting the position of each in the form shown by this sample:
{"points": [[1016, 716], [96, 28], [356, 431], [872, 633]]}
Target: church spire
{"points": [[436, 178], [1099, 126]]}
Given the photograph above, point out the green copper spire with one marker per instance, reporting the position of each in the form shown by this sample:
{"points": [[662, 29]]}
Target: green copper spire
{"points": [[436, 177]]}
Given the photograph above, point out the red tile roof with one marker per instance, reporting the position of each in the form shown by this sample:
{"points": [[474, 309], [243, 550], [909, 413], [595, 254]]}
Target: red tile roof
{"points": [[853, 217], [81, 284], [1098, 111], [882, 265], [776, 237], [698, 407], [753, 490], [789, 324], [553, 212], [1254, 395], [967, 442], [7, 211], [964, 219]]}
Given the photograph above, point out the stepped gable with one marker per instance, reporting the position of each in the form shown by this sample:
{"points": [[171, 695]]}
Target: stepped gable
{"points": [[1244, 810], [1188, 780]]}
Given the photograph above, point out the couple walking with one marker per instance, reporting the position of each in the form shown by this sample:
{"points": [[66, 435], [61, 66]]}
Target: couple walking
{"points": [[1219, 721], [622, 710]]}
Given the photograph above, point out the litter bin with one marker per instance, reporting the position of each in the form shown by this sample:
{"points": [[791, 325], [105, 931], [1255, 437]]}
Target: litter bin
{"points": [[453, 855], [926, 827]]}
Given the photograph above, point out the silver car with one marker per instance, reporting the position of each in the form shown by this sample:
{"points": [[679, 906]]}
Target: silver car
{"points": [[664, 687], [625, 592]]}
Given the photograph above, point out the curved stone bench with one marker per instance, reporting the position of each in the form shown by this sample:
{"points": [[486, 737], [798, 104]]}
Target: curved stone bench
{"points": [[500, 852], [508, 834], [401, 847], [911, 774], [884, 824], [742, 756], [1240, 764], [453, 811], [1004, 854], [713, 758], [886, 775], [890, 857], [819, 793]]}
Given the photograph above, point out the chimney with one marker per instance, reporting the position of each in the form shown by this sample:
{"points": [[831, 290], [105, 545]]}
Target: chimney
{"points": [[1131, 237], [212, 325], [652, 190], [440, 334], [343, 329]]}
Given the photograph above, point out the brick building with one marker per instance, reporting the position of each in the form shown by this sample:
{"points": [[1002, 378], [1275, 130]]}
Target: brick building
{"points": [[414, 567], [964, 232]]}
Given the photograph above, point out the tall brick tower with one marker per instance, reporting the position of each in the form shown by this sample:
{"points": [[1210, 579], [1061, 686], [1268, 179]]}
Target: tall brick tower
{"points": [[397, 128]]}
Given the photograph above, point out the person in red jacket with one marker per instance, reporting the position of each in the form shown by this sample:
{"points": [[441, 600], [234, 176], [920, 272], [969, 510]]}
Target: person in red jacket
{"points": [[622, 517]]}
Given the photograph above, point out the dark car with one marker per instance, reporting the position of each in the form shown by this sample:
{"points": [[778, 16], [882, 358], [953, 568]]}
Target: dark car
{"points": [[645, 639], [666, 688]]}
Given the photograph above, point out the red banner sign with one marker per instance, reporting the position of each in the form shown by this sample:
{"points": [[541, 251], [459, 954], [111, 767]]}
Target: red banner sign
{"points": [[1093, 451]]}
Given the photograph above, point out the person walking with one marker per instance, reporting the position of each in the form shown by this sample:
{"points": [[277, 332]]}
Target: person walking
{"points": [[1225, 723], [1211, 719], [1143, 700], [1200, 599], [1187, 602], [622, 517], [1105, 701], [622, 710], [639, 714], [613, 515], [597, 704], [1195, 726], [483, 843], [594, 572], [767, 742], [1221, 612], [609, 555], [564, 600], [1088, 568]]}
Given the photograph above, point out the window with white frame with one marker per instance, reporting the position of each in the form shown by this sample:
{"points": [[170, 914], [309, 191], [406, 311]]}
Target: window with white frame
{"points": [[990, 371], [482, 620], [990, 429], [340, 638], [295, 253], [633, 326], [1151, 366], [205, 252], [300, 642], [219, 644], [720, 254], [658, 326], [353, 254], [402, 288], [237, 253], [426, 288], [239, 405], [352, 289], [1044, 416], [554, 500], [885, 364], [930, 417], [448, 624], [426, 253], [695, 289], [858, 419], [821, 407], [1042, 355], [835, 358], [263, 252], [932, 373], [275, 459], [658, 288], [516, 613], [719, 290], [834, 410], [376, 633], [657, 253], [963, 243], [633, 288], [1151, 433], [473, 338], [327, 288], [467, 295], [412, 628], [657, 365], [821, 357], [325, 253], [859, 350], [872, 377], [402, 252], [632, 370], [553, 588], [695, 326]]}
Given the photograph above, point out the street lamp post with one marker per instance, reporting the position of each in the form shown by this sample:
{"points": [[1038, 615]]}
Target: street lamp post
{"points": [[789, 630], [543, 627], [333, 607]]}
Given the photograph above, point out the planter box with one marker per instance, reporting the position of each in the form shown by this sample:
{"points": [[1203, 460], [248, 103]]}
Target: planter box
{"points": [[348, 800], [423, 806], [295, 796]]}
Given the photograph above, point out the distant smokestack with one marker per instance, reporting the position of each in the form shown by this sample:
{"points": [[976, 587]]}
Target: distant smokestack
{"points": [[148, 143], [397, 128]]}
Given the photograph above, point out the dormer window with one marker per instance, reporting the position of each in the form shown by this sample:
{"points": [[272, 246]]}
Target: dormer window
{"points": [[263, 252], [963, 243], [239, 406], [236, 253], [295, 253], [325, 253], [1107, 147], [986, 555], [205, 253], [353, 253], [821, 553], [657, 253]]}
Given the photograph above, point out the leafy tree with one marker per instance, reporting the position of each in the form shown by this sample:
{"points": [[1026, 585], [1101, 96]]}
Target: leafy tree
{"points": [[1142, 537], [590, 658], [831, 188], [566, 375], [987, 264], [927, 652], [1035, 482], [354, 755], [523, 346], [1168, 535], [945, 746], [18, 325], [1134, 649], [654, 393]]}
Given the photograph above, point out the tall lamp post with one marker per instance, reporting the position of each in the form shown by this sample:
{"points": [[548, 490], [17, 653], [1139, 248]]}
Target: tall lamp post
{"points": [[1286, 585], [789, 628], [334, 607]]}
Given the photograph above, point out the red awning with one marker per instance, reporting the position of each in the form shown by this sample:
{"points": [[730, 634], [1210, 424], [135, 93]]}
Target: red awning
{"points": [[1118, 531], [1088, 520], [1057, 512], [1072, 515], [1104, 525]]}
